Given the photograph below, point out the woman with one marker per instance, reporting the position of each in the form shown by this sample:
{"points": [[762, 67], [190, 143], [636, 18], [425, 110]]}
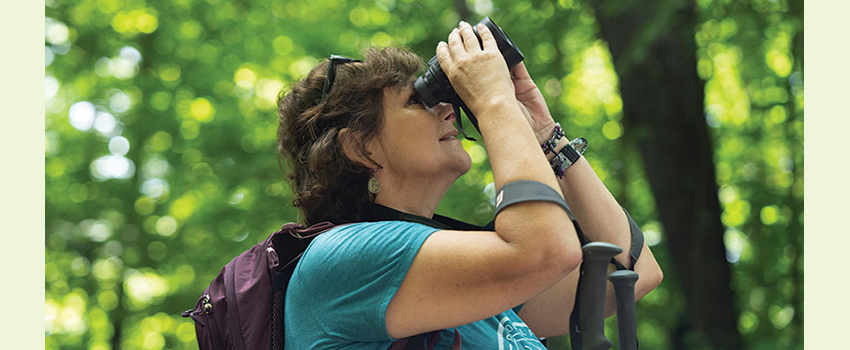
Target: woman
{"points": [[365, 152]]}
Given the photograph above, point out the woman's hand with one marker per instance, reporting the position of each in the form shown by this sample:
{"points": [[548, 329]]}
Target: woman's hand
{"points": [[532, 104], [479, 75]]}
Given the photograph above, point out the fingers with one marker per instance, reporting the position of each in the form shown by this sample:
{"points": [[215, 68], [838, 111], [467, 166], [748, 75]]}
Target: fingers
{"points": [[456, 43], [470, 42], [443, 55], [520, 72], [487, 38]]}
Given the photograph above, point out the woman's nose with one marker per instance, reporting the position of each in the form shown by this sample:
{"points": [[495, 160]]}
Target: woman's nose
{"points": [[444, 111]]}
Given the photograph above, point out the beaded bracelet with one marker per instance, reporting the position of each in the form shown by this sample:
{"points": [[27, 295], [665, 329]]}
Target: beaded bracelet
{"points": [[549, 145]]}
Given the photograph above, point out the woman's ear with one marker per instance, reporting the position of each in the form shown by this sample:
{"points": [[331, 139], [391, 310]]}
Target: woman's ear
{"points": [[348, 143]]}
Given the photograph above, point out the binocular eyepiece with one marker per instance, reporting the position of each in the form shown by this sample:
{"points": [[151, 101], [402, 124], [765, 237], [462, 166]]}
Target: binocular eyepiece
{"points": [[434, 87]]}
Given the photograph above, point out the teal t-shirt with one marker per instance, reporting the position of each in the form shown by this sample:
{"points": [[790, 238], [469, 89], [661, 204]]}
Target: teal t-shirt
{"points": [[339, 293]]}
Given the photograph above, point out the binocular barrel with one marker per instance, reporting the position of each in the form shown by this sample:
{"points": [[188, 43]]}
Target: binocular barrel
{"points": [[592, 285], [624, 289]]}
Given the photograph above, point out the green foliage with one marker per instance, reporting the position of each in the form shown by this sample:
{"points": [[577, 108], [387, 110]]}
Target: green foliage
{"points": [[160, 146]]}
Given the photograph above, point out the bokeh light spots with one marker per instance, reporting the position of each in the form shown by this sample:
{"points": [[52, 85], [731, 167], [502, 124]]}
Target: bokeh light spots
{"points": [[112, 167], [155, 167], [652, 233], [301, 67], [282, 45], [780, 316], [191, 29], [169, 72], [612, 130], [379, 17], [145, 21], [120, 101], [144, 205], [160, 141], [267, 90], [736, 213], [359, 16], [184, 206], [107, 299], [189, 129], [476, 152], [166, 226], [51, 87], [55, 167], [107, 270], [134, 22], [545, 52], [186, 332], [245, 74], [737, 246], [748, 322], [770, 215], [381, 39], [202, 110], [106, 125], [81, 115], [56, 32], [154, 188], [185, 274], [144, 288], [119, 146], [157, 250]]}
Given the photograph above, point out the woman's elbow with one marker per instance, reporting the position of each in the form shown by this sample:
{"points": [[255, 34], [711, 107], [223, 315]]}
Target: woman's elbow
{"points": [[650, 279], [658, 276]]}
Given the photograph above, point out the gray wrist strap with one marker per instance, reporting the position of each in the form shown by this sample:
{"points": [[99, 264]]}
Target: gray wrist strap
{"points": [[528, 190]]}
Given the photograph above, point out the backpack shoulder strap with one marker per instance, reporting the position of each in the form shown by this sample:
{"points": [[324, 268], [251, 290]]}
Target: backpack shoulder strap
{"points": [[232, 309], [287, 244]]}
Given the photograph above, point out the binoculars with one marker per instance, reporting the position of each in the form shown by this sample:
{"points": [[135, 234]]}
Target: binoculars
{"points": [[434, 87]]}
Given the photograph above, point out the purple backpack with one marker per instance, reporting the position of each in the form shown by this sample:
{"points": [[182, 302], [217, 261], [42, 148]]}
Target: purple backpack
{"points": [[242, 308]]}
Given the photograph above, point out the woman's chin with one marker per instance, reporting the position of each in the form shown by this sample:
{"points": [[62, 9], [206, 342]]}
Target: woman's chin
{"points": [[465, 164]]}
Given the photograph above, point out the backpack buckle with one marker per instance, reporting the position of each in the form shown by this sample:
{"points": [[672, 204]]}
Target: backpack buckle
{"points": [[272, 258]]}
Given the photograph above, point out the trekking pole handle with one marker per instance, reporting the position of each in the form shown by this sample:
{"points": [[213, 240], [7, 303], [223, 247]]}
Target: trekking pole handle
{"points": [[624, 289], [592, 285]]}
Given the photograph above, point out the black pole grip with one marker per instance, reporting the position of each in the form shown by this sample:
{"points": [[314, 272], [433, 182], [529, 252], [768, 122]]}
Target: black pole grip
{"points": [[592, 285], [624, 288]]}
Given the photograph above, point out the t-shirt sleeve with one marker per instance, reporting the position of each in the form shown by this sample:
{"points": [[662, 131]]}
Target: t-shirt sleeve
{"points": [[351, 274]]}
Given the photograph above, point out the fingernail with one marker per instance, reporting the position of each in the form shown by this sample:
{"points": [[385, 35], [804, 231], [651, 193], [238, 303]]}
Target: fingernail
{"points": [[464, 22], [481, 26]]}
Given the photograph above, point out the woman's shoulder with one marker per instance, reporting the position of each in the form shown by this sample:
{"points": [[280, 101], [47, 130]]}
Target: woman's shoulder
{"points": [[365, 242], [376, 233]]}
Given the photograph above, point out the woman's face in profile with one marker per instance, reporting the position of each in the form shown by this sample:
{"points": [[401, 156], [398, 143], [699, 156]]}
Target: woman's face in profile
{"points": [[417, 141]]}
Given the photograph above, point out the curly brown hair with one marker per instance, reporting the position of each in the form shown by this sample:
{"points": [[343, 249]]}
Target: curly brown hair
{"points": [[327, 185]]}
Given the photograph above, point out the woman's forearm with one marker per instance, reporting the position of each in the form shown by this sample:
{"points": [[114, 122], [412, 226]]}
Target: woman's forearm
{"points": [[509, 141], [594, 207]]}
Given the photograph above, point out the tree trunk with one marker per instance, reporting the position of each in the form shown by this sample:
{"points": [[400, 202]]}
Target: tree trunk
{"points": [[654, 52]]}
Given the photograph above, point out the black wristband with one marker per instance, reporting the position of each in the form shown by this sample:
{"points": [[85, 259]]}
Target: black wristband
{"points": [[528, 190], [567, 156]]}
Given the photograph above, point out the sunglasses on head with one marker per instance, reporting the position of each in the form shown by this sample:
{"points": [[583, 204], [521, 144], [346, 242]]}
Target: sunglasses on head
{"points": [[333, 61]]}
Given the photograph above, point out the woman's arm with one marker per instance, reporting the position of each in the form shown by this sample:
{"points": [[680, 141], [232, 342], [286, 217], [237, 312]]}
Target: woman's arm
{"points": [[601, 219], [594, 208], [460, 277]]}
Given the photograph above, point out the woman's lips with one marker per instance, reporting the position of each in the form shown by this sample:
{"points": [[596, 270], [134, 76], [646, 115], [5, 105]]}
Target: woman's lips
{"points": [[451, 135]]}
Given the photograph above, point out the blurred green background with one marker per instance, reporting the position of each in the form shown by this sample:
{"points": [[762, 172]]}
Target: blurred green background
{"points": [[160, 148]]}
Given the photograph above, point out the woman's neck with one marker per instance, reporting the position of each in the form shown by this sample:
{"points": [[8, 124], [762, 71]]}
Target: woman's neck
{"points": [[413, 196]]}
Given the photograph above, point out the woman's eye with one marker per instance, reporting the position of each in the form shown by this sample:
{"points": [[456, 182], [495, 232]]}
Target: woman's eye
{"points": [[414, 99]]}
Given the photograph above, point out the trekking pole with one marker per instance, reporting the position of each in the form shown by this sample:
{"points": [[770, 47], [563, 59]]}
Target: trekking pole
{"points": [[624, 288], [592, 285]]}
